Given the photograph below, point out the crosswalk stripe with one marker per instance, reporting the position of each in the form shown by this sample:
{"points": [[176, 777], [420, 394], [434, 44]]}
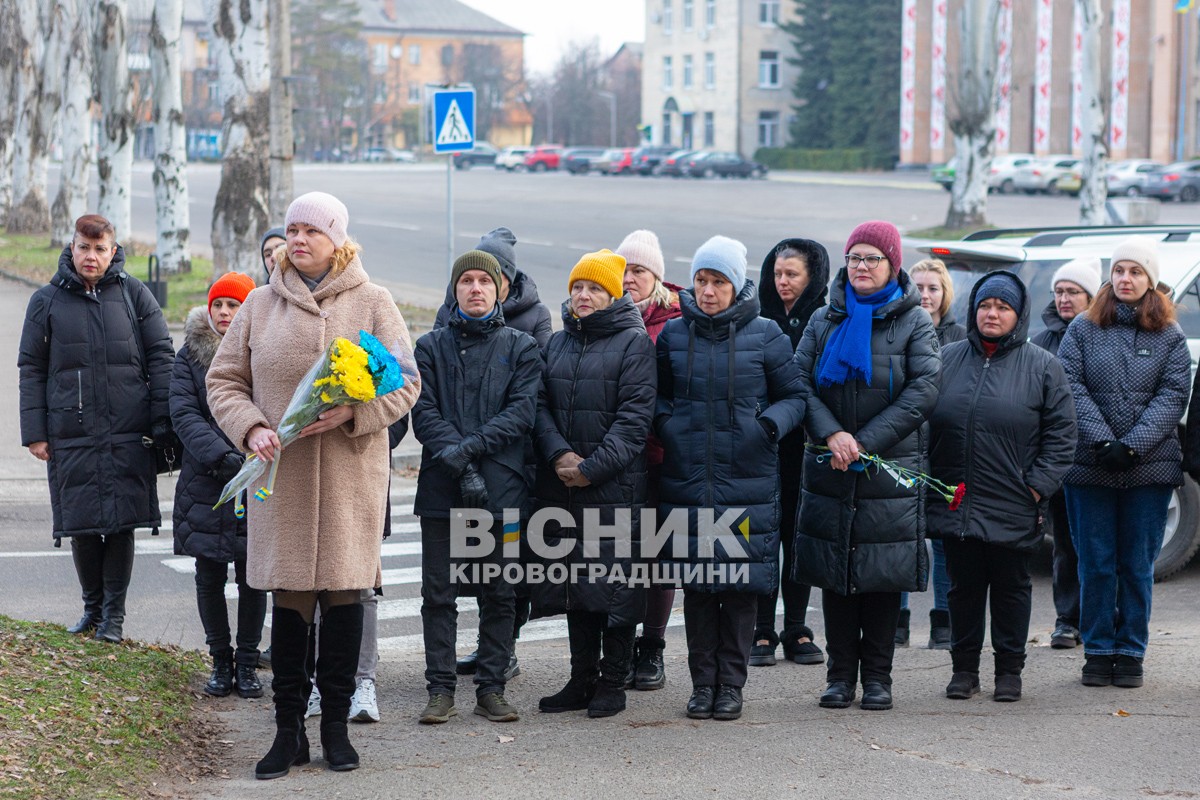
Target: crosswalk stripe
{"points": [[539, 631], [141, 547]]}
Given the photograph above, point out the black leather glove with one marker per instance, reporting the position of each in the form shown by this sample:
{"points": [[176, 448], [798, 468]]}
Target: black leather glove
{"points": [[768, 425], [474, 490], [456, 457], [1114, 456], [231, 462]]}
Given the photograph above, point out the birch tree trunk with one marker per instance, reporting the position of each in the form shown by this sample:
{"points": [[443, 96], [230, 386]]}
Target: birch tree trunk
{"points": [[76, 123], [172, 220], [973, 100], [8, 96], [39, 97], [1093, 193], [240, 212], [114, 160]]}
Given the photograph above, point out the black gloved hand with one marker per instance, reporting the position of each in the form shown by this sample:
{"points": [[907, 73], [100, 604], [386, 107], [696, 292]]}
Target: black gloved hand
{"points": [[160, 431], [1114, 456], [474, 490], [768, 425], [231, 462], [456, 457]]}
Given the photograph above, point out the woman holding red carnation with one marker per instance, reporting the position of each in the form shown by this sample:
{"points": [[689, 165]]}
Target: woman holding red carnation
{"points": [[1004, 426]]}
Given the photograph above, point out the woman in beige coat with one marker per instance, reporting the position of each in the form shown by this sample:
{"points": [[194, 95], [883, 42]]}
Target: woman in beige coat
{"points": [[316, 540]]}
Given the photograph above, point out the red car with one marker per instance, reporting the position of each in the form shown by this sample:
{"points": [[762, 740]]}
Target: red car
{"points": [[617, 161], [543, 157]]}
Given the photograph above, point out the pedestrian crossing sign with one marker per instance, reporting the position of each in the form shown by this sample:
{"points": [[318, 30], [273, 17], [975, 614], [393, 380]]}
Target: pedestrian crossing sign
{"points": [[454, 120]]}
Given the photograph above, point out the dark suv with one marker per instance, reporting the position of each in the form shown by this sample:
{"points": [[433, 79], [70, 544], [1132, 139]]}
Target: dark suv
{"points": [[483, 153], [646, 159]]}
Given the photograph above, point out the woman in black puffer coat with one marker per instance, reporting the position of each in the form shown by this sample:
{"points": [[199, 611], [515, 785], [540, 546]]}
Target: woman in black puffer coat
{"points": [[594, 413], [215, 537], [869, 363], [728, 391], [799, 270], [1004, 426]]}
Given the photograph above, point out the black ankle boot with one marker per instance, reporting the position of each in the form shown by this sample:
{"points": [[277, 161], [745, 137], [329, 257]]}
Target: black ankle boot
{"points": [[220, 683], [575, 696], [338, 644], [939, 629], [902, 627], [247, 682], [289, 649], [648, 668]]}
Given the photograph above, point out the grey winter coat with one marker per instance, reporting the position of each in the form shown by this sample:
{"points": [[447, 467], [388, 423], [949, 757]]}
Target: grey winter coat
{"points": [[861, 531], [1130, 386], [200, 530], [82, 390], [597, 400], [723, 381], [1002, 425]]}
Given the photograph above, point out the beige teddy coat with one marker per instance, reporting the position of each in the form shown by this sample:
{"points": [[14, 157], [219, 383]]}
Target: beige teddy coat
{"points": [[321, 529]]}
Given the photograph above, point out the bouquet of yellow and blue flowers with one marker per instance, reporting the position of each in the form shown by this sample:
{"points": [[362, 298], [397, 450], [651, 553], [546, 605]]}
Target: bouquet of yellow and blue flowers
{"points": [[345, 374]]}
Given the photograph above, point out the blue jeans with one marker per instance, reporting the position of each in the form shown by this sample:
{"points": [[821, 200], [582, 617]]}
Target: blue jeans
{"points": [[1117, 535], [939, 577]]}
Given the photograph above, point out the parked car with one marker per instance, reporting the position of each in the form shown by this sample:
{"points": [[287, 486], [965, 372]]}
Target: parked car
{"points": [[725, 165], [390, 154], [673, 164], [578, 160], [1034, 254], [615, 161], [512, 158], [1178, 181], [543, 157], [1129, 177], [647, 158], [1000, 176], [483, 153], [1041, 176], [944, 175]]}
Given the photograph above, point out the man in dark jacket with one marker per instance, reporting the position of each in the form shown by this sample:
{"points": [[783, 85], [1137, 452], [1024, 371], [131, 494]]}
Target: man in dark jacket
{"points": [[480, 382], [95, 363], [794, 283], [1075, 285], [1004, 426]]}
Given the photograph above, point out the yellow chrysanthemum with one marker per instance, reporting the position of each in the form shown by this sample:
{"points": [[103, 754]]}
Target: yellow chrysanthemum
{"points": [[348, 363]]}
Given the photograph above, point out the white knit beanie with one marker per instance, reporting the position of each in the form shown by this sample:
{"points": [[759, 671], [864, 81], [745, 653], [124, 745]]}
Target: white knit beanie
{"points": [[1084, 272], [642, 248], [1141, 250], [324, 212]]}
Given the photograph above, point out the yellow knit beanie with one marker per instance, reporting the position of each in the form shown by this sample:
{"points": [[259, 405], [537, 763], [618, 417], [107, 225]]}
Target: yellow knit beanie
{"points": [[603, 267]]}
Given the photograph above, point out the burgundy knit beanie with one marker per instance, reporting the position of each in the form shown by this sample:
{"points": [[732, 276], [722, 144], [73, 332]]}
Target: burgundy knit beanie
{"points": [[883, 235]]}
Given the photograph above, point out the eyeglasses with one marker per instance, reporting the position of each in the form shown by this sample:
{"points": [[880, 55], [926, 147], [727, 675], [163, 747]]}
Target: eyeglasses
{"points": [[855, 261], [1071, 293]]}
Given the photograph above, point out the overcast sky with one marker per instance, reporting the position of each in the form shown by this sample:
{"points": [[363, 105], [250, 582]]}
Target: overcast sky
{"points": [[551, 24]]}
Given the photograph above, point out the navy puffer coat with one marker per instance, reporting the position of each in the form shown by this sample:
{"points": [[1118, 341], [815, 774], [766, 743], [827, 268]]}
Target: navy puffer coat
{"points": [[862, 531], [728, 392], [597, 400], [201, 530]]}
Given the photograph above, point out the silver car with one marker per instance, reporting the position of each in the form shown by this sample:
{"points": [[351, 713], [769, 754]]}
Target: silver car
{"points": [[1042, 175], [1129, 177]]}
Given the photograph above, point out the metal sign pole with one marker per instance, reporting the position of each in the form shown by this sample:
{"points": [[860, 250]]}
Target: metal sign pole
{"points": [[449, 216]]}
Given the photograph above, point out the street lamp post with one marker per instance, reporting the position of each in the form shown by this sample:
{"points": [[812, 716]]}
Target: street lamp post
{"points": [[612, 116]]}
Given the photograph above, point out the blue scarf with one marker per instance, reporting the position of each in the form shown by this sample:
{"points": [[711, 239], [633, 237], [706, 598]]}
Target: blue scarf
{"points": [[486, 316], [848, 352]]}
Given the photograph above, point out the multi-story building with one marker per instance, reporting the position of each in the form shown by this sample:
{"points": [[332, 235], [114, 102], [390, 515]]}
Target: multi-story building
{"points": [[1148, 56], [716, 73]]}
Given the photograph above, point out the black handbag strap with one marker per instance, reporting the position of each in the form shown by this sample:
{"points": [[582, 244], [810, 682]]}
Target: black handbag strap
{"points": [[134, 321]]}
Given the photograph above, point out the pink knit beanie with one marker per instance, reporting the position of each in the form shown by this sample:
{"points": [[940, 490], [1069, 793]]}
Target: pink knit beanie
{"points": [[324, 212], [882, 235], [642, 248]]}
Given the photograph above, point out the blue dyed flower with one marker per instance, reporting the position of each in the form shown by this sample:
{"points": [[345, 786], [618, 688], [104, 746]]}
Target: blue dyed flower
{"points": [[384, 367]]}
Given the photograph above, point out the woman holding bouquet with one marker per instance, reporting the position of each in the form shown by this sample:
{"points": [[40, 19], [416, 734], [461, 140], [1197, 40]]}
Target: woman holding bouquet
{"points": [[869, 364], [316, 541], [215, 537], [1004, 425]]}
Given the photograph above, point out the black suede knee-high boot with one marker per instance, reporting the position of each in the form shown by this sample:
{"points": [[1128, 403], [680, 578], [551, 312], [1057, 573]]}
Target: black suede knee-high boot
{"points": [[290, 684], [337, 660]]}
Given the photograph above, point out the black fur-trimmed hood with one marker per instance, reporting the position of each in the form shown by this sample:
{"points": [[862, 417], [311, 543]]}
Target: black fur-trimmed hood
{"points": [[201, 340]]}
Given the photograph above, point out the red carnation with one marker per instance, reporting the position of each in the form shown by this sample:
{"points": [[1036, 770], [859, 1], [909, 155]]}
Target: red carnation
{"points": [[959, 493]]}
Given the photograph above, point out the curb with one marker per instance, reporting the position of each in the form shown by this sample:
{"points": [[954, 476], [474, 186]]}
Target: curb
{"points": [[21, 279]]}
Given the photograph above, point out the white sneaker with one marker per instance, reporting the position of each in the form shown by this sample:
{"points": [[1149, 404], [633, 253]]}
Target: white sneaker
{"points": [[314, 704], [363, 706]]}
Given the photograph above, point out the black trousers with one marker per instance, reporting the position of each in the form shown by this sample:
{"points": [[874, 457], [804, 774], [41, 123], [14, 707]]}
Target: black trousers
{"points": [[795, 595], [978, 570], [439, 617], [1066, 565], [860, 635], [720, 632], [211, 577]]}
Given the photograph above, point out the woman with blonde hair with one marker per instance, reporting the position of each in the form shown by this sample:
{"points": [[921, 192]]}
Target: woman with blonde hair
{"points": [[315, 542]]}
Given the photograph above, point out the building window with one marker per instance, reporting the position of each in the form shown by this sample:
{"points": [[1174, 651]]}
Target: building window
{"points": [[667, 82], [668, 16], [688, 20], [708, 129], [687, 72], [380, 92], [768, 129], [710, 70], [768, 12], [414, 93], [666, 136], [768, 69], [379, 58], [414, 54], [710, 13]]}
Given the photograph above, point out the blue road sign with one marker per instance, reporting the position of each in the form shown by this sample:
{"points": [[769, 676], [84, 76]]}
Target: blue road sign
{"points": [[454, 120]]}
